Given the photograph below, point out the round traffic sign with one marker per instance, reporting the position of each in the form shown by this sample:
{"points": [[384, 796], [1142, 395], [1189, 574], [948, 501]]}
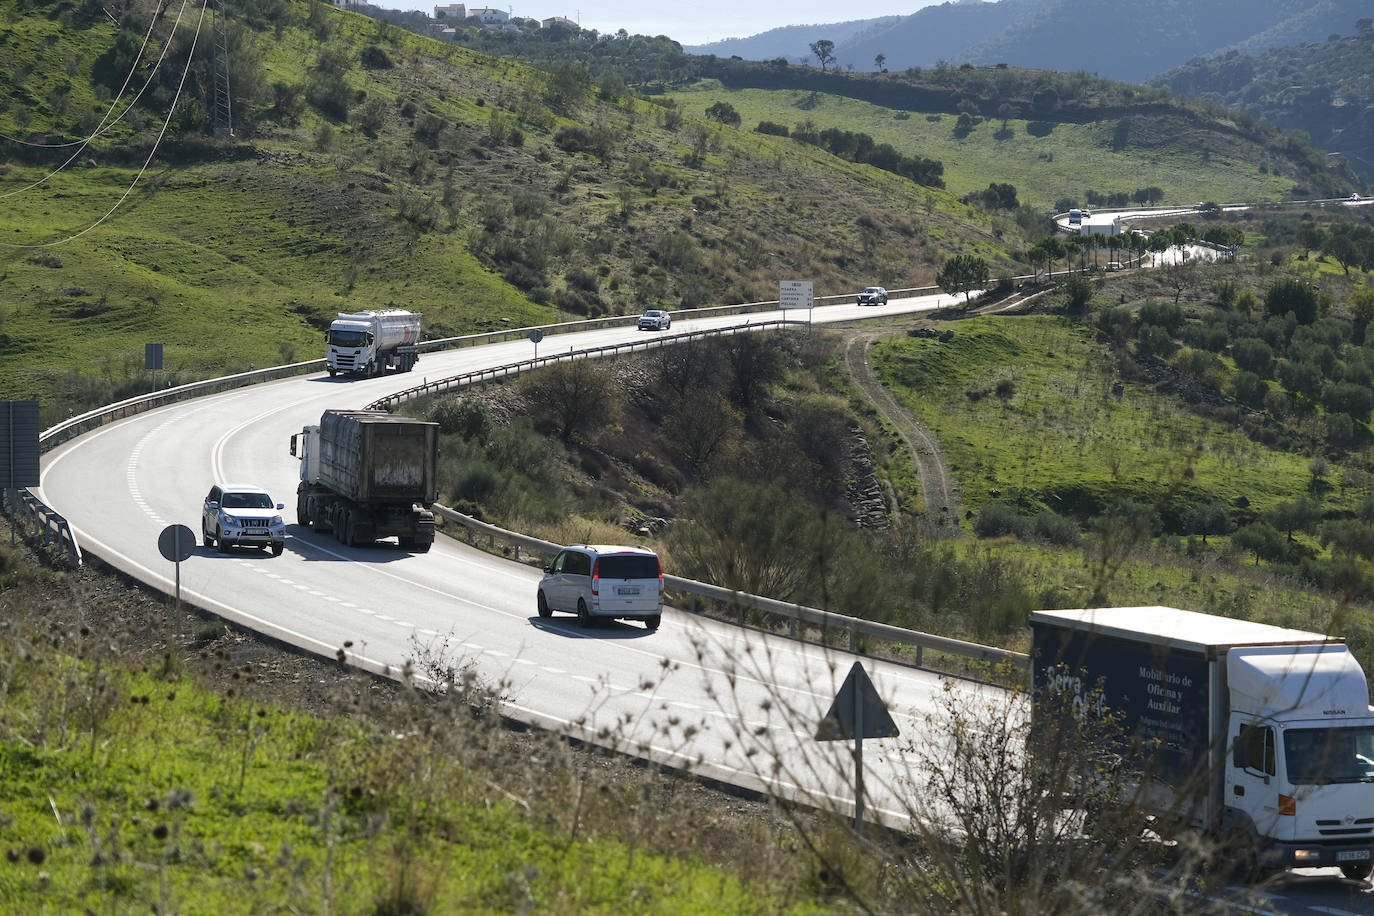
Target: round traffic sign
{"points": [[176, 543], [536, 335]]}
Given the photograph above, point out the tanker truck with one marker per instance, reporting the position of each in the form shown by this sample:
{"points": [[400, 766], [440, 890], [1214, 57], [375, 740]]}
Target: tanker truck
{"points": [[370, 343], [368, 474], [1259, 736]]}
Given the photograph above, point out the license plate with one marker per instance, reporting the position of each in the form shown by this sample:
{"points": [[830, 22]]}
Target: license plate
{"points": [[1353, 855], [627, 589]]}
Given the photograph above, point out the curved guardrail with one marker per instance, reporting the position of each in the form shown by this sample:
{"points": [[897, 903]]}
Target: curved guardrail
{"points": [[23, 506], [795, 614], [494, 373], [55, 527]]}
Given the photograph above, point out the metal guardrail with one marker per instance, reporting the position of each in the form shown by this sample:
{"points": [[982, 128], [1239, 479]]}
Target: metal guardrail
{"points": [[21, 505], [795, 614], [55, 526], [478, 376], [93, 419]]}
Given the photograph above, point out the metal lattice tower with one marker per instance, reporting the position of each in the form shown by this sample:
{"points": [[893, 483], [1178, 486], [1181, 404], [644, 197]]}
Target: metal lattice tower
{"points": [[222, 116]]}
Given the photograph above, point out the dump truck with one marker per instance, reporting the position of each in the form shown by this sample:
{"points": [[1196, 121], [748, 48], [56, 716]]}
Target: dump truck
{"points": [[371, 343], [366, 475], [1260, 736]]}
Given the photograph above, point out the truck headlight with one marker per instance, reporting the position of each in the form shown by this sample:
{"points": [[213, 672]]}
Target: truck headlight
{"points": [[277, 522], [230, 521], [1306, 855]]}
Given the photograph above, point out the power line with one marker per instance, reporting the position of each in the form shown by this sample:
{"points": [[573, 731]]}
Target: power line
{"points": [[103, 127], [171, 109]]}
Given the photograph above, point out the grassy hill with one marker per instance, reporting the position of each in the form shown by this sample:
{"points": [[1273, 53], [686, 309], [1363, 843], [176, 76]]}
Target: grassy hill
{"points": [[371, 167]]}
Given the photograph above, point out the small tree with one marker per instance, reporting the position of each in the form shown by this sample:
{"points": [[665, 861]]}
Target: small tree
{"points": [[725, 113], [878, 62], [572, 396], [963, 273], [824, 49]]}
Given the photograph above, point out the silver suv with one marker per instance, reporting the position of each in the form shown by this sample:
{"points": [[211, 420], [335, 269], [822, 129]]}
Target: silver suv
{"points": [[603, 582], [243, 515]]}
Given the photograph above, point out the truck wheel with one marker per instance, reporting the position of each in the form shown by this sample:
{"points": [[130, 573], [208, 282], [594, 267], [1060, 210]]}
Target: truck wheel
{"points": [[423, 546], [302, 516], [219, 539], [1357, 871], [205, 536], [277, 549], [584, 617], [651, 623], [543, 605]]}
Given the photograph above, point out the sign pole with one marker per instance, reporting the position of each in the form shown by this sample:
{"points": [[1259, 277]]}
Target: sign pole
{"points": [[858, 763]]}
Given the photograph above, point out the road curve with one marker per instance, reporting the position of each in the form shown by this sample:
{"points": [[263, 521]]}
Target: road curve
{"points": [[728, 703]]}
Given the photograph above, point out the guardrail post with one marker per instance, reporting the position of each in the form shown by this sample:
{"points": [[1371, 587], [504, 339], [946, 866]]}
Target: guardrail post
{"points": [[920, 655], [517, 553], [853, 638]]}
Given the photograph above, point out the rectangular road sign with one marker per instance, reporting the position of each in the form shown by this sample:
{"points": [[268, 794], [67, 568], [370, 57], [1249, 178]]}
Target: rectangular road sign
{"points": [[19, 444], [795, 294]]}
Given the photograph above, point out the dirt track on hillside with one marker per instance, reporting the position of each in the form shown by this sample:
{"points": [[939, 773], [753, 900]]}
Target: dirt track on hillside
{"points": [[939, 493]]}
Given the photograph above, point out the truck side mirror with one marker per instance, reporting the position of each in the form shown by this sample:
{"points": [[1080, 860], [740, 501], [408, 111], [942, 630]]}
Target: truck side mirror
{"points": [[293, 445]]}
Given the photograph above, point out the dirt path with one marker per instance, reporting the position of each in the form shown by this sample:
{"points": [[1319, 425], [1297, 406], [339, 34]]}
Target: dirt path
{"points": [[938, 489]]}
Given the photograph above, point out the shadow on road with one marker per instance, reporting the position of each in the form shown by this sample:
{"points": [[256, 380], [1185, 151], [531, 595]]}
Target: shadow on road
{"points": [[602, 629]]}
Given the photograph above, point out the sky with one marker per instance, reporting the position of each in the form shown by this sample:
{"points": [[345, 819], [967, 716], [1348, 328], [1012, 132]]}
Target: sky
{"points": [[696, 23]]}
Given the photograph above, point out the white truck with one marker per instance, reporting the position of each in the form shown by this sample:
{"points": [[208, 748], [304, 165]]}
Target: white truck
{"points": [[1263, 737], [373, 342]]}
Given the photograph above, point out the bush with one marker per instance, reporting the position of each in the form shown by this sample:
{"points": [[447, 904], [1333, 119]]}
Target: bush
{"points": [[1053, 528], [374, 58], [998, 520]]}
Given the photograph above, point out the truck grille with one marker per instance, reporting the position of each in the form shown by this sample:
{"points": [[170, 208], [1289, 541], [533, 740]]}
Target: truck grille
{"points": [[1357, 827], [343, 362]]}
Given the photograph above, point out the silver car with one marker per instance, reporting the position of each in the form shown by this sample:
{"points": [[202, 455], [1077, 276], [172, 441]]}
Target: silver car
{"points": [[242, 515], [655, 320], [603, 582]]}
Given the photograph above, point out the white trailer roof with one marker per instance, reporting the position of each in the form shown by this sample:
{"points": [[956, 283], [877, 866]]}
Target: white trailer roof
{"points": [[1169, 626]]}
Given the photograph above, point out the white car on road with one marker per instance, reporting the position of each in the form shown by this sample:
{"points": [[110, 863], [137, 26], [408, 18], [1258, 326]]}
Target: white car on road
{"points": [[242, 515]]}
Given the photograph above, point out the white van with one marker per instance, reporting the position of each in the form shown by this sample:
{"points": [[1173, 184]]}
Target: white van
{"points": [[601, 581]]}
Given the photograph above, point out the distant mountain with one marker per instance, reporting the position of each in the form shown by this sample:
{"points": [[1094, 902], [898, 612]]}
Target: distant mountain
{"points": [[1325, 89], [1115, 41], [792, 42]]}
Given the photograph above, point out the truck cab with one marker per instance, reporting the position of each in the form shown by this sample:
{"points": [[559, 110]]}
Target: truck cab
{"points": [[1301, 764]]}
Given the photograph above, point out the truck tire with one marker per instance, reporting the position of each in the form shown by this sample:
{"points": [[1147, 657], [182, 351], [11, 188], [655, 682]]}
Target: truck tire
{"points": [[584, 617], [423, 546], [651, 623], [277, 549], [302, 516], [219, 540], [1357, 871], [332, 371], [542, 604], [205, 536]]}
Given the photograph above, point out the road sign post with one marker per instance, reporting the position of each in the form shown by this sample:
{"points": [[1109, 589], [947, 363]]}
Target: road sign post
{"points": [[152, 360], [796, 294], [857, 712], [177, 543], [535, 336]]}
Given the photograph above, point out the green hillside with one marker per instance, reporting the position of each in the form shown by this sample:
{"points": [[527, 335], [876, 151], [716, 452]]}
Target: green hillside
{"points": [[372, 167], [1045, 161]]}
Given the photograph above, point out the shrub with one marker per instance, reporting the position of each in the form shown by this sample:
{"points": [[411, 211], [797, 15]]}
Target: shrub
{"points": [[374, 58], [998, 520]]}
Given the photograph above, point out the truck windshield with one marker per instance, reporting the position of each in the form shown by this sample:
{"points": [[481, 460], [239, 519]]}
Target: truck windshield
{"points": [[1316, 756], [348, 338]]}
